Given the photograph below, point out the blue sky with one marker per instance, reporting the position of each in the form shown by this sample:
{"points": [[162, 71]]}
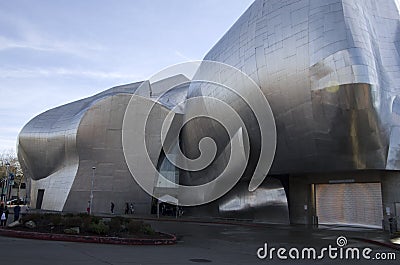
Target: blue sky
{"points": [[55, 52]]}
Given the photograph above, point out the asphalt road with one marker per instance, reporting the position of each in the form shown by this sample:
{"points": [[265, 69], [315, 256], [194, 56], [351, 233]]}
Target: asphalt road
{"points": [[197, 244]]}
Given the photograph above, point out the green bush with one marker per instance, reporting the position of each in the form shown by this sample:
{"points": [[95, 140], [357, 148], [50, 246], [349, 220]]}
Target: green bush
{"points": [[147, 229], [74, 221], [115, 225], [90, 223], [83, 215], [55, 219], [86, 221], [122, 219], [69, 215], [134, 226], [101, 228], [95, 219], [32, 217]]}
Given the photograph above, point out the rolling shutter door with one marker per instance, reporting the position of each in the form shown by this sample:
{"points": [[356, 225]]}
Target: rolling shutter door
{"points": [[349, 203]]}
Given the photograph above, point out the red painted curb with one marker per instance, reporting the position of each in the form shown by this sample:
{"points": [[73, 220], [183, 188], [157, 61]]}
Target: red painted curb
{"points": [[89, 239]]}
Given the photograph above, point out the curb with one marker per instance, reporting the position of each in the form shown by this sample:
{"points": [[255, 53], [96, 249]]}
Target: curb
{"points": [[89, 239]]}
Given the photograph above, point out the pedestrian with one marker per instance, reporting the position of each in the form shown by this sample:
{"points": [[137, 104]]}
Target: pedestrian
{"points": [[112, 207], [24, 210], [163, 210], [132, 208], [126, 208], [7, 213], [17, 210], [180, 211], [4, 216], [2, 213]]}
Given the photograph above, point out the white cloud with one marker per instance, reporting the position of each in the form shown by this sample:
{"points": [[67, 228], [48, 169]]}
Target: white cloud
{"points": [[27, 36], [46, 72], [41, 44]]}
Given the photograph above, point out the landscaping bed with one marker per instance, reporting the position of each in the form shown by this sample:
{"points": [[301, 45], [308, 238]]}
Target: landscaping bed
{"points": [[86, 228]]}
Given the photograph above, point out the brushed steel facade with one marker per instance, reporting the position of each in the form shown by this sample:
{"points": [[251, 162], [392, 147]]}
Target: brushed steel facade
{"points": [[330, 70], [59, 148]]}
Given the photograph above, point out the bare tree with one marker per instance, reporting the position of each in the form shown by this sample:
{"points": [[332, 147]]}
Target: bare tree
{"points": [[9, 157]]}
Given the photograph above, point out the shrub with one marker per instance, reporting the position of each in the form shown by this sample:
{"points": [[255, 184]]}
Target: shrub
{"points": [[147, 229], [90, 223], [115, 225], [55, 219], [101, 228], [32, 217], [134, 226], [86, 221], [83, 215], [74, 221], [95, 219], [121, 219]]}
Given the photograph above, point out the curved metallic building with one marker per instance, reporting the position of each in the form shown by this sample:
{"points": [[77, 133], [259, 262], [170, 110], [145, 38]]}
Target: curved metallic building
{"points": [[59, 148], [331, 73], [330, 70]]}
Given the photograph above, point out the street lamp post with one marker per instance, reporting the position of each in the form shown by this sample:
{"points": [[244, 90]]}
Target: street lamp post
{"points": [[91, 191]]}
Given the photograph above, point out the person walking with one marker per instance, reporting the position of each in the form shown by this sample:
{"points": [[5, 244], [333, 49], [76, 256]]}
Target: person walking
{"points": [[17, 210], [112, 207], [2, 214], [132, 208], [7, 213], [4, 217], [126, 208]]}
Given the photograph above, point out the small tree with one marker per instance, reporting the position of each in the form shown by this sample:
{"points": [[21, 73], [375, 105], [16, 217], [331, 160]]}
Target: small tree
{"points": [[9, 156], [18, 178]]}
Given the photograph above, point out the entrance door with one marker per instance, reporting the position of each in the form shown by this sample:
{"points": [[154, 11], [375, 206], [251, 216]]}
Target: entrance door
{"points": [[350, 204], [39, 199]]}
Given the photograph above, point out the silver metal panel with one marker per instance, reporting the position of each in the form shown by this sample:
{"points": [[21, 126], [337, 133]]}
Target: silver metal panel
{"points": [[266, 204], [53, 147], [59, 148], [48, 142], [330, 70]]}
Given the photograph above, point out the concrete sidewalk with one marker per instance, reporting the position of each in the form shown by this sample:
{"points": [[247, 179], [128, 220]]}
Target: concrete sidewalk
{"points": [[366, 233]]}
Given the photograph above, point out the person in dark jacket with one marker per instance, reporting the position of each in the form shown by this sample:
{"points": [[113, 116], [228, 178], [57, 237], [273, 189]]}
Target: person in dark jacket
{"points": [[126, 208], [112, 207], [17, 210]]}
